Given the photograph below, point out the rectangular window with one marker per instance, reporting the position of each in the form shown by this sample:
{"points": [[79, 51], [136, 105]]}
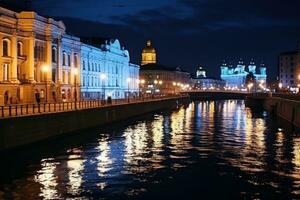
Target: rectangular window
{"points": [[64, 77], [75, 60], [69, 60], [69, 78], [5, 72]]}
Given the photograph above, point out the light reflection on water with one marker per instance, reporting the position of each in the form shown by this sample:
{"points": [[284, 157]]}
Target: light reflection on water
{"points": [[126, 161]]}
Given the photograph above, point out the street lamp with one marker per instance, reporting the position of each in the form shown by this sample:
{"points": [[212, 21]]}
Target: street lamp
{"points": [[280, 86], [174, 86], [45, 69], [102, 78], [75, 72], [128, 81], [250, 85]]}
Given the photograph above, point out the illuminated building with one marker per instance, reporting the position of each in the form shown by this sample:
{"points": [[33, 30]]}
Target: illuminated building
{"points": [[235, 77], [31, 58], [106, 70], [148, 54], [201, 81], [39, 62], [289, 70], [158, 79]]}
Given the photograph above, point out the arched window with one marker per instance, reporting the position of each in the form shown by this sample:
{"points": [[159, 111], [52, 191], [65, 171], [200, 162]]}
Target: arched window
{"points": [[20, 48], [64, 59], [69, 60], [5, 47], [54, 55], [75, 60]]}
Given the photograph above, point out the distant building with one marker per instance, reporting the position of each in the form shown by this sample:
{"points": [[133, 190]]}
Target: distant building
{"points": [[289, 69], [235, 76], [148, 54], [106, 70], [158, 79], [202, 82]]}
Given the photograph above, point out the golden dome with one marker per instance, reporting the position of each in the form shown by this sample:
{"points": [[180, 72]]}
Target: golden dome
{"points": [[149, 48]]}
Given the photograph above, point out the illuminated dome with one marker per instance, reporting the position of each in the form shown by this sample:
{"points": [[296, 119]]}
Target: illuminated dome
{"points": [[149, 48], [148, 54]]}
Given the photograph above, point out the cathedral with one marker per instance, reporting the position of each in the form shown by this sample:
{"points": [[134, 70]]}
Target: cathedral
{"points": [[148, 54], [235, 76]]}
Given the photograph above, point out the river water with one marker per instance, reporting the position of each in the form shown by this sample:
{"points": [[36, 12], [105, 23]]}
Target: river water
{"points": [[205, 150]]}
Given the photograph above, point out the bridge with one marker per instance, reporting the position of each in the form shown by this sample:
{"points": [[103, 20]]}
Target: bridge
{"points": [[215, 94]]}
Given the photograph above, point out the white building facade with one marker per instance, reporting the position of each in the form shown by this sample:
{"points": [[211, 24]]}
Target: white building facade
{"points": [[106, 71], [235, 77]]}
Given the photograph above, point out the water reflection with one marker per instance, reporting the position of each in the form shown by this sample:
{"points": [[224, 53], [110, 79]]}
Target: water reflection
{"points": [[126, 161], [47, 178]]}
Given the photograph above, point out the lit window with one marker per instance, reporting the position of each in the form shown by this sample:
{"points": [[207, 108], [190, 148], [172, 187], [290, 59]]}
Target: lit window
{"points": [[19, 46], [5, 47]]}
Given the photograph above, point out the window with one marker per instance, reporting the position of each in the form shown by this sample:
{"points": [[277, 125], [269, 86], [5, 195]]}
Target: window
{"points": [[83, 65], [75, 60], [20, 48], [69, 78], [64, 77], [64, 59], [5, 72], [5, 47], [54, 60], [69, 60]]}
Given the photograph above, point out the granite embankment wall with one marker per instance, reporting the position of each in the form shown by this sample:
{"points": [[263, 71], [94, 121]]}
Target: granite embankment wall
{"points": [[286, 109], [19, 131]]}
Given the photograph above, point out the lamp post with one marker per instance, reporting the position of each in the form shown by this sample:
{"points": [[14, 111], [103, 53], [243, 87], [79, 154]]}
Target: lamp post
{"points": [[280, 86], [174, 86], [45, 69], [102, 78], [250, 85], [141, 82], [75, 72], [128, 81]]}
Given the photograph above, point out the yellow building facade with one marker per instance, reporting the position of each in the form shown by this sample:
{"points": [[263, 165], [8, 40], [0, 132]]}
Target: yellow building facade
{"points": [[148, 54], [38, 61]]}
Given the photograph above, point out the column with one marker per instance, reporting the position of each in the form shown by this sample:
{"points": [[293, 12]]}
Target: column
{"points": [[48, 58], [1, 64], [13, 77], [59, 72], [30, 59]]}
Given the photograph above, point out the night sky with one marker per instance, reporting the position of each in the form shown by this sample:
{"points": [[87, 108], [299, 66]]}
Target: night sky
{"points": [[186, 33]]}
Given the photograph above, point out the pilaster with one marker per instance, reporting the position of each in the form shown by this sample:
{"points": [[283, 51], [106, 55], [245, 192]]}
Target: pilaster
{"points": [[30, 58], [48, 58], [13, 70]]}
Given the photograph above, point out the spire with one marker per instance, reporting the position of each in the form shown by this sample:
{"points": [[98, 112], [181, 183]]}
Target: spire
{"points": [[149, 43]]}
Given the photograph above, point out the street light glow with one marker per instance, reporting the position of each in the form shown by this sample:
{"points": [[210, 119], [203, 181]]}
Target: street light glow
{"points": [[102, 76], [75, 71], [45, 68], [128, 80]]}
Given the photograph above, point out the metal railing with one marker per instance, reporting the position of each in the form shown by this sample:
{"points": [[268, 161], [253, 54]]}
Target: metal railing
{"points": [[16, 110]]}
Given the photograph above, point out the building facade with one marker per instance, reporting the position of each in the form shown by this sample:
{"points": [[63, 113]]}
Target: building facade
{"points": [[158, 79], [39, 63], [289, 70], [202, 82], [31, 55], [107, 72], [236, 77], [148, 54]]}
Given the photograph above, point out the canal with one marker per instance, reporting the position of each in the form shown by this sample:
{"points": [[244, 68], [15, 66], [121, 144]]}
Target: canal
{"points": [[212, 149]]}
